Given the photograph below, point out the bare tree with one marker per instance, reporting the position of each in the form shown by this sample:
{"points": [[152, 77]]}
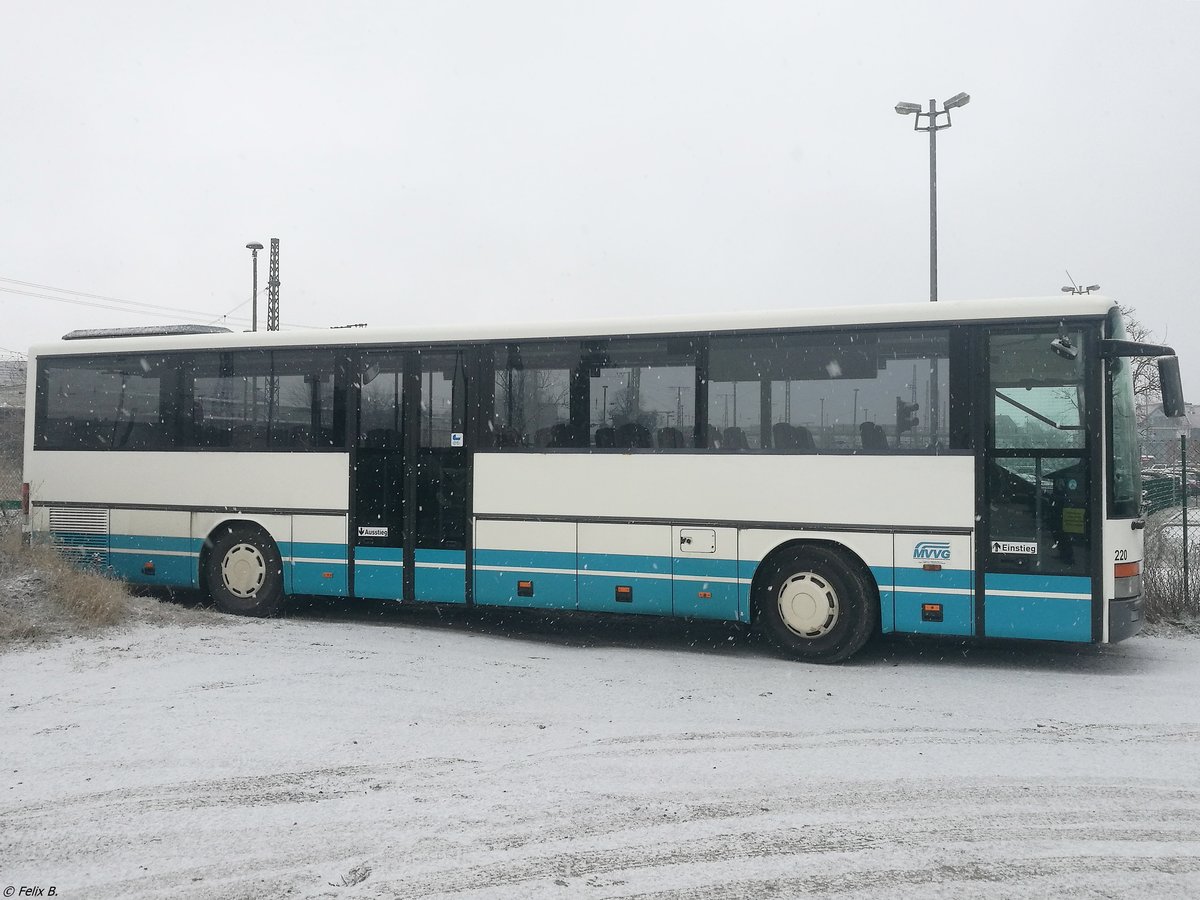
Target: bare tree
{"points": [[1146, 392]]}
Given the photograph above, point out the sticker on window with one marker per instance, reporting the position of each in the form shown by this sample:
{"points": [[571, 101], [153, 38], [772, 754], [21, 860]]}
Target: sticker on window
{"points": [[1020, 548]]}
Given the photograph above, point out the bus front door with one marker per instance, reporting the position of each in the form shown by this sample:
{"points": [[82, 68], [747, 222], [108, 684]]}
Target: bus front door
{"points": [[1036, 535]]}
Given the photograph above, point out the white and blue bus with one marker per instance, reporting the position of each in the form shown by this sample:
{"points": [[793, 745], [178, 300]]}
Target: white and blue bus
{"points": [[966, 469]]}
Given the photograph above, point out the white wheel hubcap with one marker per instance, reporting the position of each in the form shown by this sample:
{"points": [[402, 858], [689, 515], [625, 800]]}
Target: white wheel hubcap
{"points": [[808, 605], [243, 570]]}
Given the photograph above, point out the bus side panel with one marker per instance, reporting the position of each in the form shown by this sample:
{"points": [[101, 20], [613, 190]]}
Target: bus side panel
{"points": [[705, 575], [823, 492], [1038, 607], [529, 564], [379, 572], [202, 480], [318, 556], [874, 549], [153, 546], [440, 575], [935, 584], [625, 568]]}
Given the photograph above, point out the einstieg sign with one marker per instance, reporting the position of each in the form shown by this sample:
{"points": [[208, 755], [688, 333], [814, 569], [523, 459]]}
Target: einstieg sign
{"points": [[1020, 548]]}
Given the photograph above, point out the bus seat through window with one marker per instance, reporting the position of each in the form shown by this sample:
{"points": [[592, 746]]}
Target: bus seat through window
{"points": [[735, 439]]}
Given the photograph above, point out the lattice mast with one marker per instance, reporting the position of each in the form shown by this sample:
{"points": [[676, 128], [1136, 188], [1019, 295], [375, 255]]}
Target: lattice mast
{"points": [[273, 288]]}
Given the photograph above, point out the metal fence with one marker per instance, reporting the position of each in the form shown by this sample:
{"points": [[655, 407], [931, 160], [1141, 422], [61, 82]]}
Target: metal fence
{"points": [[10, 488], [12, 435], [1170, 498]]}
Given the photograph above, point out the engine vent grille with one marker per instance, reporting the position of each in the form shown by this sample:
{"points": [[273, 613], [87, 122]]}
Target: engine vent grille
{"points": [[80, 534]]}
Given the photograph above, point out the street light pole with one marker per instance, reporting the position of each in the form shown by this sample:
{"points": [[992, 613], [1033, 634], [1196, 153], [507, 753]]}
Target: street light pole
{"points": [[933, 197], [933, 127], [254, 247]]}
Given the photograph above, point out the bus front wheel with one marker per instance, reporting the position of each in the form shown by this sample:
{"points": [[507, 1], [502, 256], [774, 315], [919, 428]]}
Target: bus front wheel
{"points": [[244, 571], [815, 605]]}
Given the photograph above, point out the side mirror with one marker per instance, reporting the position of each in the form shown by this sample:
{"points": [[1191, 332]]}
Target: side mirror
{"points": [[1171, 386], [1064, 348]]}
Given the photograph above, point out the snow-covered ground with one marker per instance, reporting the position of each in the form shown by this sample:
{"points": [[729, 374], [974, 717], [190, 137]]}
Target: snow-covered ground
{"points": [[412, 753]]}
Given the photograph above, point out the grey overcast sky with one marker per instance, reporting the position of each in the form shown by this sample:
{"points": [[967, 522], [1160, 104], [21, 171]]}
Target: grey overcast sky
{"points": [[450, 161]]}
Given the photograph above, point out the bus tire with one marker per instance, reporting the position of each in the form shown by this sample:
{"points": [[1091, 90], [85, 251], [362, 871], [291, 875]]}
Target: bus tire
{"points": [[814, 604], [244, 571]]}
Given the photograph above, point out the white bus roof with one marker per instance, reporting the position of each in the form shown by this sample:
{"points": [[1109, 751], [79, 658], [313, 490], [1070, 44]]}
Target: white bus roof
{"points": [[947, 311]]}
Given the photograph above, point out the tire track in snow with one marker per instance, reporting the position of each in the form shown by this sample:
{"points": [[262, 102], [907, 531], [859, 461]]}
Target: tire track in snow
{"points": [[306, 786], [1047, 876], [1011, 819], [768, 740]]}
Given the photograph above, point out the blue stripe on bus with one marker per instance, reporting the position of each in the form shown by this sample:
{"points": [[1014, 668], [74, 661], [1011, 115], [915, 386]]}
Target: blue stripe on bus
{"points": [[334, 553], [1036, 617], [378, 554], [174, 560], [595, 590], [170, 571], [958, 609], [886, 611], [945, 578], [884, 578], [649, 596], [379, 582], [440, 576], [550, 590], [600, 574], [724, 600], [706, 568], [526, 559], [326, 579], [958, 613], [1039, 584], [624, 562], [443, 582], [317, 568], [152, 542]]}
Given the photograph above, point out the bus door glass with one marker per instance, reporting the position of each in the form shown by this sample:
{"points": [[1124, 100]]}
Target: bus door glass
{"points": [[379, 478], [1036, 516], [440, 480]]}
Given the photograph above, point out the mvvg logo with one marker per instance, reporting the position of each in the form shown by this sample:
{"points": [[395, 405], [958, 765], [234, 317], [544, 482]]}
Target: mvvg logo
{"points": [[932, 550]]}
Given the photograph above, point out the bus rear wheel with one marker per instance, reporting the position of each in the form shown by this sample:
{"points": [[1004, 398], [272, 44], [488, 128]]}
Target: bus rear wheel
{"points": [[244, 572], [815, 605]]}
